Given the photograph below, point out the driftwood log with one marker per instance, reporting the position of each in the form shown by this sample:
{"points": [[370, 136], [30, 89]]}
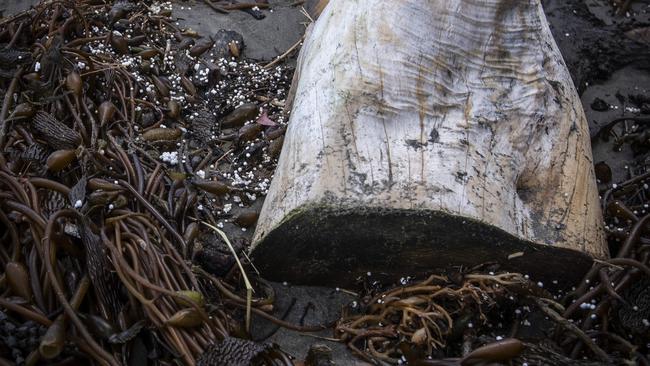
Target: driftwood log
{"points": [[427, 134]]}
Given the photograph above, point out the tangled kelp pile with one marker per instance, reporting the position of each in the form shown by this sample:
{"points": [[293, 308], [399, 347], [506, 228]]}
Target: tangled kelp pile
{"points": [[477, 317], [421, 320], [121, 133]]}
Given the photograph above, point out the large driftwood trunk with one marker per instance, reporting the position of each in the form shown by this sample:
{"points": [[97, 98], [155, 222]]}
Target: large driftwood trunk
{"points": [[427, 134]]}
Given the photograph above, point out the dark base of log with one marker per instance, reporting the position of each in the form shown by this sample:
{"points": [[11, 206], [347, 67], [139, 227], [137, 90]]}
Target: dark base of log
{"points": [[334, 247]]}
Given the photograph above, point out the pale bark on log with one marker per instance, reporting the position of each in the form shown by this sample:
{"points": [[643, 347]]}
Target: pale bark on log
{"points": [[426, 134]]}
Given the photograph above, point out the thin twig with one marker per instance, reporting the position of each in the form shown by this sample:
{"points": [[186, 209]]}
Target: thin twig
{"points": [[285, 54]]}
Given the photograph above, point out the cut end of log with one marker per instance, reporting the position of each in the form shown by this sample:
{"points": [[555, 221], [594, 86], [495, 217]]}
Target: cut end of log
{"points": [[334, 246]]}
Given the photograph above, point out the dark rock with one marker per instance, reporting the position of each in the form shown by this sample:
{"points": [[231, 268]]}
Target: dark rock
{"points": [[202, 126], [599, 105], [603, 172], [214, 261], [214, 256], [221, 40]]}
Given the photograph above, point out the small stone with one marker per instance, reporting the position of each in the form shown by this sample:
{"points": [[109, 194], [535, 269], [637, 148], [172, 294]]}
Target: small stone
{"points": [[599, 105]]}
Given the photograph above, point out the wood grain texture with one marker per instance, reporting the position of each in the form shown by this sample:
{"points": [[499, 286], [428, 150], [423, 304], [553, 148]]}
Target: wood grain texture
{"points": [[460, 109]]}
